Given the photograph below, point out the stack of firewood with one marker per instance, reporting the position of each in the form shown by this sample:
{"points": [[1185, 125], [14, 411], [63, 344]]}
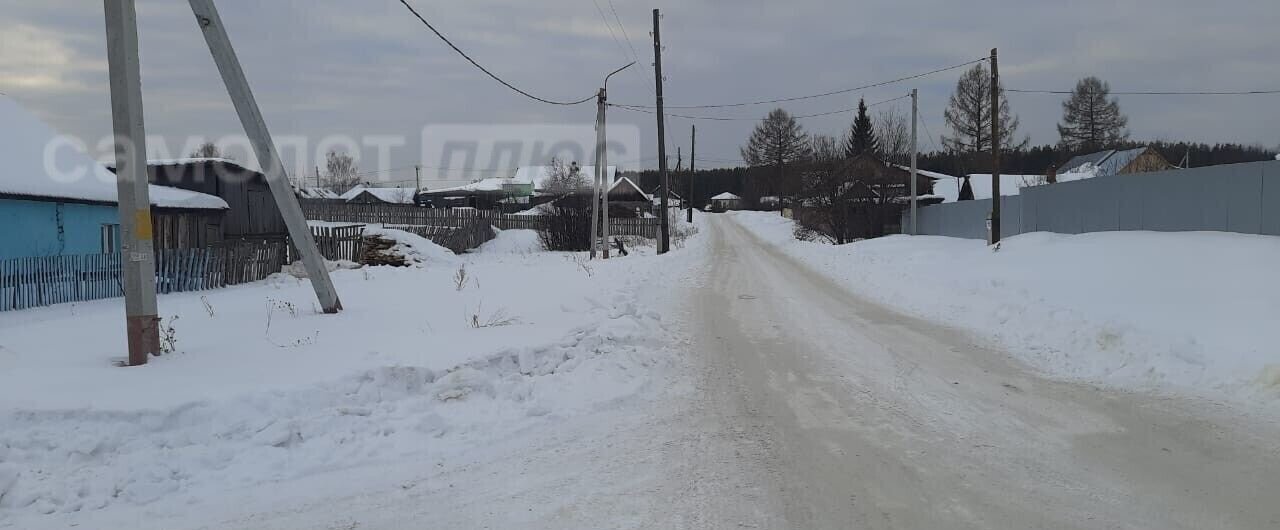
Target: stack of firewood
{"points": [[377, 250]]}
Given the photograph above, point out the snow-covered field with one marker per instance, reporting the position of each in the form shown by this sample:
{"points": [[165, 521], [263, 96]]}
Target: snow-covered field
{"points": [[426, 363], [1191, 312]]}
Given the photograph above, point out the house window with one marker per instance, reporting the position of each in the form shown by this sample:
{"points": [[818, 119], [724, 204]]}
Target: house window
{"points": [[110, 238]]}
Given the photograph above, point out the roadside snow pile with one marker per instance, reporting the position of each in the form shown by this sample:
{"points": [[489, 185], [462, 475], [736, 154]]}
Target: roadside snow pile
{"points": [[263, 389], [512, 242], [1193, 311], [416, 250]]}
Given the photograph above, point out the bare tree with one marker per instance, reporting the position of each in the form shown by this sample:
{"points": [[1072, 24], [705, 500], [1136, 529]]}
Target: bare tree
{"points": [[1090, 121], [564, 178], [827, 188], [779, 142], [893, 129], [341, 172], [207, 150], [969, 116]]}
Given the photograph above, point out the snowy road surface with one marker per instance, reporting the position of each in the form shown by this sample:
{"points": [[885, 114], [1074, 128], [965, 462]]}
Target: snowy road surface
{"points": [[856, 417], [726, 385]]}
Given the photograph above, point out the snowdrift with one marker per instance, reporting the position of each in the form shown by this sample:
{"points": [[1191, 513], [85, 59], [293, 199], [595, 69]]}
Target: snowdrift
{"points": [[1189, 311]]}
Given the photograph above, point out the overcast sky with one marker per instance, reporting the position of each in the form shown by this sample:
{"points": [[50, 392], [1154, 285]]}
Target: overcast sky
{"points": [[366, 67]]}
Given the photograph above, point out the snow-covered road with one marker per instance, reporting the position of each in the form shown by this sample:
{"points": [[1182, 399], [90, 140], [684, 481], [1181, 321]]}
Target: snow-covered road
{"points": [[848, 415], [726, 385]]}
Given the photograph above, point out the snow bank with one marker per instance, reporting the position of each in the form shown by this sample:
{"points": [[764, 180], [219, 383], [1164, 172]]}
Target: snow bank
{"points": [[512, 242], [265, 389], [1191, 311]]}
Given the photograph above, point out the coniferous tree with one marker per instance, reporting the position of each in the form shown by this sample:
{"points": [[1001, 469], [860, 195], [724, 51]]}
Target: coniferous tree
{"points": [[862, 135], [1090, 121]]}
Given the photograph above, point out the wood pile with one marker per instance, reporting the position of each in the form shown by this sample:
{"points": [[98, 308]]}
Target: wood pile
{"points": [[377, 250]]}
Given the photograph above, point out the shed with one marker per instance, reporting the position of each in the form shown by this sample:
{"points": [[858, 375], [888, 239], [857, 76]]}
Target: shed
{"points": [[252, 212], [726, 201]]}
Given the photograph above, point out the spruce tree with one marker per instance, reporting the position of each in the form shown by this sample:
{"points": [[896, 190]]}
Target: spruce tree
{"points": [[862, 135]]}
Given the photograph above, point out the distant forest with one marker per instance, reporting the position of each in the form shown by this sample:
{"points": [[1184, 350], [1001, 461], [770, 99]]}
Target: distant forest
{"points": [[1033, 160]]}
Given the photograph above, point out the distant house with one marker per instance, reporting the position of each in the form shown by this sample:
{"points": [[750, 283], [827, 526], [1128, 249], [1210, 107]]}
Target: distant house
{"points": [[726, 201], [66, 205], [1112, 162], [530, 186], [380, 196], [674, 200]]}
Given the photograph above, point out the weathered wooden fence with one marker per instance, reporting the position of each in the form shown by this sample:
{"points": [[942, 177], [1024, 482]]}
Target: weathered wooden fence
{"points": [[402, 216], [335, 242], [34, 282]]}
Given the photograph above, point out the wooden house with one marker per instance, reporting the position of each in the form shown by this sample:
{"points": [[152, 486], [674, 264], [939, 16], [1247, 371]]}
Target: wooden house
{"points": [[65, 204]]}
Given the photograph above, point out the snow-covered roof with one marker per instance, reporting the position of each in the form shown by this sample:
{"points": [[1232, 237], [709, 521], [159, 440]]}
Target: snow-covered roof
{"points": [[488, 184], [949, 188], [1102, 163], [69, 173], [623, 183], [726, 196], [539, 175], [351, 193], [391, 195], [931, 174]]}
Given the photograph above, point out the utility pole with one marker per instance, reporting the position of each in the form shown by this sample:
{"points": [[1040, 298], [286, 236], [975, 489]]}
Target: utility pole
{"points": [[417, 179], [603, 167], [138, 253], [664, 243], [318, 176], [215, 35], [915, 116], [693, 151], [597, 178], [995, 149]]}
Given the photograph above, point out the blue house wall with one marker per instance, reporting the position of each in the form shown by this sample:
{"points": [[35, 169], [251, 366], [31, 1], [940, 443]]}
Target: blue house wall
{"points": [[31, 228]]}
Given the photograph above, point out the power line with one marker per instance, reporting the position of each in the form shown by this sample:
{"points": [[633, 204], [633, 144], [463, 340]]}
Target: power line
{"points": [[739, 118], [634, 54], [1153, 92], [485, 70], [824, 94]]}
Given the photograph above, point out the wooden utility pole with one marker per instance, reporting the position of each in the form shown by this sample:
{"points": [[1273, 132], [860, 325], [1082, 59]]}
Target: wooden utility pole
{"points": [[417, 180], [318, 177], [915, 116], [995, 149], [215, 35], [693, 151], [664, 243], [137, 248]]}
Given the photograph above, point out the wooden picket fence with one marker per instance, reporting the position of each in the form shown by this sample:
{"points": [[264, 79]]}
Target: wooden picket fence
{"points": [[48, 280], [336, 242]]}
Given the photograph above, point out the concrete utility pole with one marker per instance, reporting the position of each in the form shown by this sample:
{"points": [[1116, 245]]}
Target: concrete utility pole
{"points": [[602, 166], [664, 243], [915, 116], [598, 177], [995, 149], [138, 252], [255, 128], [693, 151]]}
